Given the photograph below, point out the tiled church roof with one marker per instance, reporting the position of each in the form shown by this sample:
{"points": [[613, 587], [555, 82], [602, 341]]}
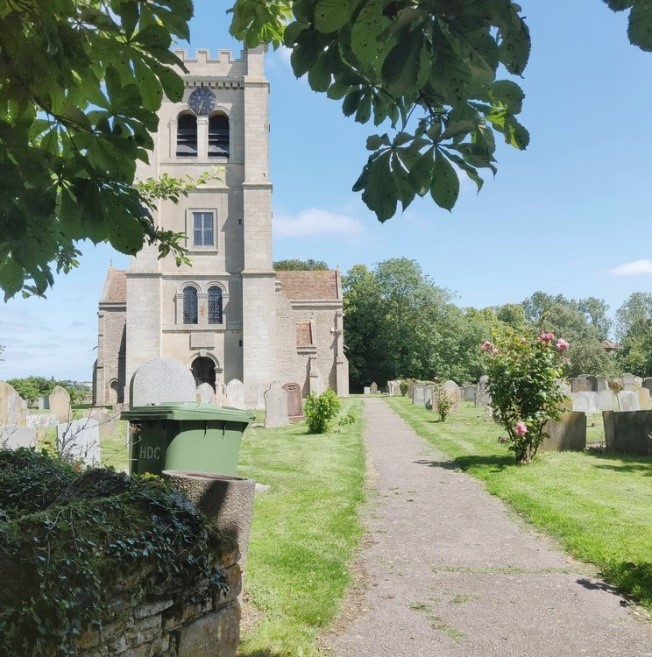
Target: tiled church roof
{"points": [[308, 285], [115, 288]]}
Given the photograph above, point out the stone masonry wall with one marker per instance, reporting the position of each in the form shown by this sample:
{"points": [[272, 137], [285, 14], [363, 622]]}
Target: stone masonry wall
{"points": [[170, 623]]}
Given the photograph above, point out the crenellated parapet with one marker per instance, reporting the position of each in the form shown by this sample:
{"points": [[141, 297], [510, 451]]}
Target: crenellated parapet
{"points": [[223, 65]]}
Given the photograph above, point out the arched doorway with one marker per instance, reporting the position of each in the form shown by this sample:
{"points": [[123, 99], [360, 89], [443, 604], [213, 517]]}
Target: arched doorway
{"points": [[203, 369]]}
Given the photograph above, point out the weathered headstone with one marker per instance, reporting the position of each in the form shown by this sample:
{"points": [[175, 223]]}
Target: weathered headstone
{"points": [[592, 382], [605, 400], [629, 432], [393, 388], [631, 381], [468, 392], [13, 437], [453, 393], [276, 406], [628, 401], [374, 388], [235, 392], [366, 390], [428, 396], [295, 405], [647, 383], [79, 440], [419, 395], [601, 383], [162, 380], [59, 401], [482, 396], [11, 407], [41, 421], [205, 393], [584, 402], [566, 434], [43, 403], [644, 401]]}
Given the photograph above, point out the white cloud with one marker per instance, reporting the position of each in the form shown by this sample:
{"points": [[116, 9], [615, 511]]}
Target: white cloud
{"points": [[633, 268], [316, 222]]}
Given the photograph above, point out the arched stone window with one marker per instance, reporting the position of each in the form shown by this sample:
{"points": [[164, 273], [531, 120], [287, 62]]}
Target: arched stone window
{"points": [[214, 304], [190, 314], [218, 136], [187, 135]]}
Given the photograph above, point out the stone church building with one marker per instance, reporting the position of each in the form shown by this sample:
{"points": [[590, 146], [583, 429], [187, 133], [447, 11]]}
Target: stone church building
{"points": [[228, 315]]}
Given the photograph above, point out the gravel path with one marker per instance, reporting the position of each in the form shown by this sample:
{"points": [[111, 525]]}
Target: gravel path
{"points": [[450, 572]]}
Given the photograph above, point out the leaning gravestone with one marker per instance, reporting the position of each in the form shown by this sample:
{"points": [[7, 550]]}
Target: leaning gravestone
{"points": [[11, 405], [205, 393], [235, 392], [373, 388], [276, 406], [482, 396], [79, 440], [13, 437], [59, 401], [162, 380]]}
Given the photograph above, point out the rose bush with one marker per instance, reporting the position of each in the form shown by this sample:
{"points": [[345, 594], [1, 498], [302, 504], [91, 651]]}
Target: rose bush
{"points": [[524, 373]]}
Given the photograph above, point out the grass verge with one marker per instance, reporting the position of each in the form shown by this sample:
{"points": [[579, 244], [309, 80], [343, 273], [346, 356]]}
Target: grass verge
{"points": [[304, 532], [598, 505]]}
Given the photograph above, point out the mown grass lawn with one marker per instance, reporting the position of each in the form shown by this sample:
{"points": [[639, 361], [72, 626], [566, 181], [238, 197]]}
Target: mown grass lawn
{"points": [[304, 532], [598, 505]]}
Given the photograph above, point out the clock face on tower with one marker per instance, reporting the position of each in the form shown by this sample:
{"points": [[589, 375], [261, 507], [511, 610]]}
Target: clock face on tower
{"points": [[202, 101]]}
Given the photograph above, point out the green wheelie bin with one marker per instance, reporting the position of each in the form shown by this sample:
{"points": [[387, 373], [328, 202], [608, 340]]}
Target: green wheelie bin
{"points": [[185, 436]]}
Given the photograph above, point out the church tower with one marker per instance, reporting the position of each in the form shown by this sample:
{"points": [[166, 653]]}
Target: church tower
{"points": [[217, 315]]}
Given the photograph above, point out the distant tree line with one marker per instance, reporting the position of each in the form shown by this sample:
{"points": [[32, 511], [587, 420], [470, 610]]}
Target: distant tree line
{"points": [[33, 387], [398, 323]]}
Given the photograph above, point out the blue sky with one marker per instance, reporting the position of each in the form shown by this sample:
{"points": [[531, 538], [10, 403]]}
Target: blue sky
{"points": [[570, 215]]}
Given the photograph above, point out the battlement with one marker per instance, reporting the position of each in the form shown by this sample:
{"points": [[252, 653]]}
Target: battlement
{"points": [[224, 64]]}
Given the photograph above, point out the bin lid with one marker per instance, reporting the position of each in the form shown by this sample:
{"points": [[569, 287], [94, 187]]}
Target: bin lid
{"points": [[188, 411]]}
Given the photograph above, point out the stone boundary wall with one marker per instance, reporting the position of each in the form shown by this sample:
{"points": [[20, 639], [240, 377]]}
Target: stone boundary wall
{"points": [[181, 622]]}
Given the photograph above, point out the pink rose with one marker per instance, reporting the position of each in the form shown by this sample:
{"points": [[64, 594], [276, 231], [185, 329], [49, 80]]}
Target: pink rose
{"points": [[520, 429], [494, 351], [547, 338], [562, 345], [486, 346]]}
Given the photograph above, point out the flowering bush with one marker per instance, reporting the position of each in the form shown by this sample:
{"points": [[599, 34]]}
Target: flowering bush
{"points": [[524, 377]]}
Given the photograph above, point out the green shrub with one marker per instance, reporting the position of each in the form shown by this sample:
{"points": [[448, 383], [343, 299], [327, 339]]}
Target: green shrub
{"points": [[320, 410], [443, 403], [403, 387]]}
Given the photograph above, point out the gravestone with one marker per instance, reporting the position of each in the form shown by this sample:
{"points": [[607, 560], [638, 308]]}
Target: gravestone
{"points": [[452, 391], [59, 401], [605, 400], [13, 437], [628, 401], [419, 395], [235, 392], [581, 383], [11, 405], [373, 388], [205, 393], [295, 404], [601, 383], [468, 392], [566, 434], [276, 406], [647, 383], [41, 421], [393, 388], [593, 383], [629, 432], [644, 401], [631, 381], [482, 396], [43, 404], [410, 388], [585, 402], [79, 440], [428, 394], [366, 390], [162, 380]]}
